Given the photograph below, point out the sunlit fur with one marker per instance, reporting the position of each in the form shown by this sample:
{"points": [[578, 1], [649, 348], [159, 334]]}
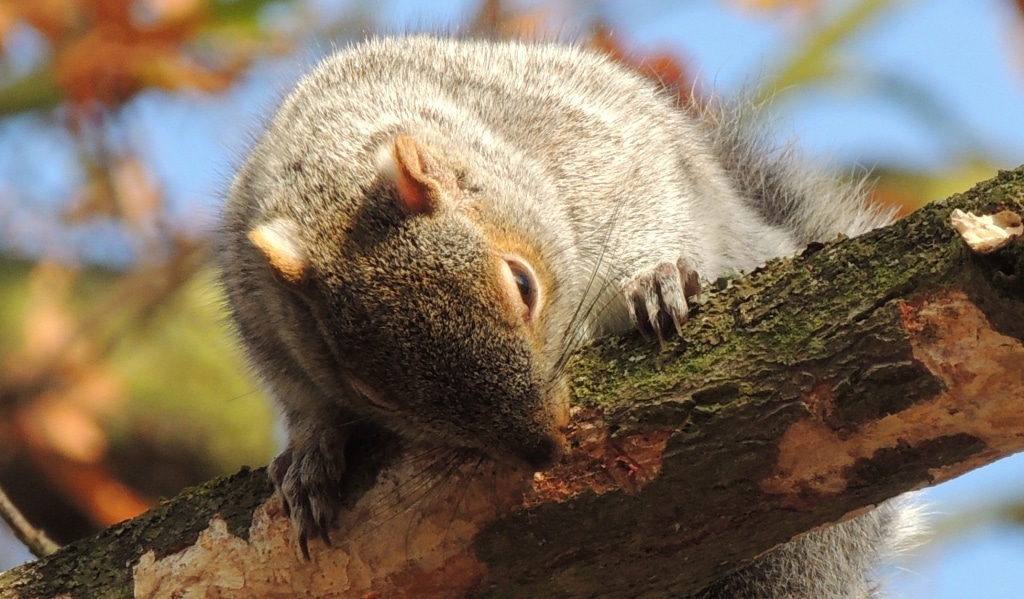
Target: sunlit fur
{"points": [[589, 172]]}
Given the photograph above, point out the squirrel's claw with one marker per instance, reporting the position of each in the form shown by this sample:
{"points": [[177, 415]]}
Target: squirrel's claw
{"points": [[656, 296], [304, 544], [309, 480], [276, 471]]}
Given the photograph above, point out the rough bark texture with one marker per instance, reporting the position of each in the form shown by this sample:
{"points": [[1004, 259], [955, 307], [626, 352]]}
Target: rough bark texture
{"points": [[807, 391]]}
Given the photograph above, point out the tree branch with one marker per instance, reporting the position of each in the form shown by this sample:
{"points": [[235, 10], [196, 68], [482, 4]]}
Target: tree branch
{"points": [[805, 392]]}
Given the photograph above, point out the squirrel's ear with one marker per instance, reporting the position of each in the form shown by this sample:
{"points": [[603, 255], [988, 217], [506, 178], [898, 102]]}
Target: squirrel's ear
{"points": [[422, 183], [281, 244]]}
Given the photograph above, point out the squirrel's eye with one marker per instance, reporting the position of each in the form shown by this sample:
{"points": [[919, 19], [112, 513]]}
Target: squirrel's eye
{"points": [[521, 285], [525, 286]]}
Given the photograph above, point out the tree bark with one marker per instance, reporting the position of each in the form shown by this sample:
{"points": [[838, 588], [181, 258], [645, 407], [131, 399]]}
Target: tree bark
{"points": [[804, 393]]}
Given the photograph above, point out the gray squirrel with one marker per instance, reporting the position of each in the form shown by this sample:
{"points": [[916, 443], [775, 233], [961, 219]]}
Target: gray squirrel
{"points": [[429, 226]]}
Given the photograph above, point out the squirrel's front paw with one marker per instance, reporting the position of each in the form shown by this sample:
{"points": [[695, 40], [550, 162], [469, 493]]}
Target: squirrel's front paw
{"points": [[656, 297], [309, 480]]}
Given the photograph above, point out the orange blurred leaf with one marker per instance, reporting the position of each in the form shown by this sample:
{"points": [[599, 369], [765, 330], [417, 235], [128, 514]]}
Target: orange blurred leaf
{"points": [[64, 429], [493, 19], [48, 325], [52, 18]]}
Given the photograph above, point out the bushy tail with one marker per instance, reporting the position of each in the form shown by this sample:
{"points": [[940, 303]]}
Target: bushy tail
{"points": [[839, 562], [814, 203]]}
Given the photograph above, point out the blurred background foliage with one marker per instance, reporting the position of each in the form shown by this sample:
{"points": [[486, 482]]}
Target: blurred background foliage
{"points": [[120, 382]]}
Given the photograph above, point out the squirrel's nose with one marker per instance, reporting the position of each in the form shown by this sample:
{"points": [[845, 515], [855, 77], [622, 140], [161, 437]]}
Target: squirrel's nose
{"points": [[545, 452]]}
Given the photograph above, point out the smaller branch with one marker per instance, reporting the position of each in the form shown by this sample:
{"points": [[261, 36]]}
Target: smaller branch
{"points": [[36, 540]]}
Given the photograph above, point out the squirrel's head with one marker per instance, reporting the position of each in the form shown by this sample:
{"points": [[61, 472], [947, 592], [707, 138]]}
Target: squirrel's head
{"points": [[433, 316]]}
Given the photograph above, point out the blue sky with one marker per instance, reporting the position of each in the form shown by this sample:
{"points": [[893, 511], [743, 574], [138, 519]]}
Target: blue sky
{"points": [[959, 51], [967, 56]]}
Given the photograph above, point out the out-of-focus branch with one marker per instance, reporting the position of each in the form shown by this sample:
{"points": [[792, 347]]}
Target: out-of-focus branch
{"points": [[36, 540]]}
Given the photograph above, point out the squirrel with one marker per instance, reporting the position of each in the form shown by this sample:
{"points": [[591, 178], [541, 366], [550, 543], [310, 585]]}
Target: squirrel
{"points": [[428, 226]]}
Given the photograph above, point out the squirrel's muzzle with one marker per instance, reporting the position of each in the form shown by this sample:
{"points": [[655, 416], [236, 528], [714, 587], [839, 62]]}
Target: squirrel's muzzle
{"points": [[544, 453]]}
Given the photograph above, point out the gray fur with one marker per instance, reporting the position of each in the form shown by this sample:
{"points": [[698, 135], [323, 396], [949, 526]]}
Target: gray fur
{"points": [[622, 196]]}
